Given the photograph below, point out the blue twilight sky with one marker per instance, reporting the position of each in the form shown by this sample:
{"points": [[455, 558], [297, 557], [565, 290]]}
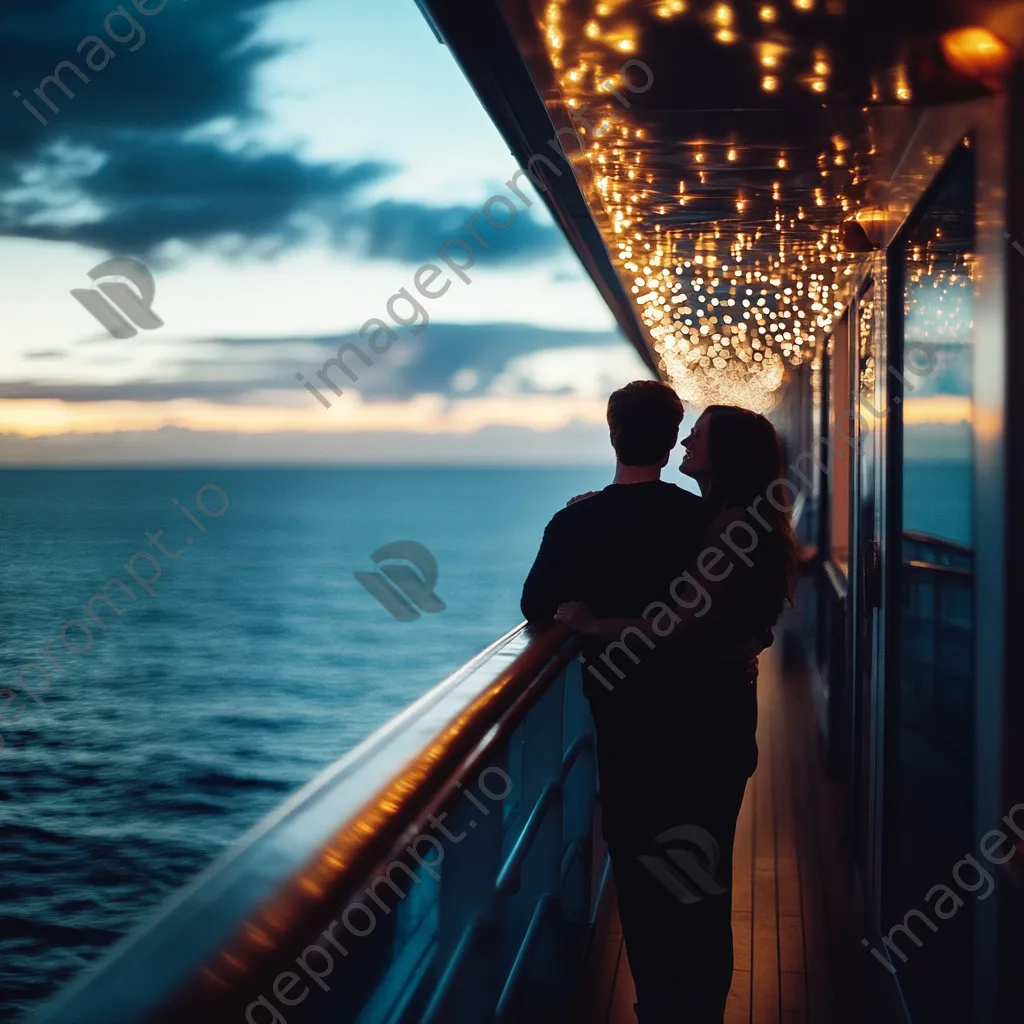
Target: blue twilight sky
{"points": [[283, 169]]}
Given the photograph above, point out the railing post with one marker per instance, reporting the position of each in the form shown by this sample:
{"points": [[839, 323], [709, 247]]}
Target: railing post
{"points": [[542, 746], [468, 874], [578, 804]]}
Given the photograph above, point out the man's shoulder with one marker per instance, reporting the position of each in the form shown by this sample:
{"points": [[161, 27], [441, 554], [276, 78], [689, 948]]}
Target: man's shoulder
{"points": [[680, 494], [601, 503]]}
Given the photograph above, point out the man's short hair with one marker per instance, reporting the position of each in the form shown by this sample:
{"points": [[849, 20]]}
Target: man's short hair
{"points": [[644, 419]]}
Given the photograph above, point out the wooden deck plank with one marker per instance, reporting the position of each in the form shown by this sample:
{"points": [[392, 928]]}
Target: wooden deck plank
{"points": [[765, 999], [804, 765], [737, 1009], [794, 987], [742, 941], [623, 995]]}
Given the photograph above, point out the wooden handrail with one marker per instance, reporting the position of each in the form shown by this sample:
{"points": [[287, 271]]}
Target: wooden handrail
{"points": [[226, 937]]}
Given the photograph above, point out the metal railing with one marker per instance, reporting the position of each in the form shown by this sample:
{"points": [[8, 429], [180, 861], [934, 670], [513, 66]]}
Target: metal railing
{"points": [[937, 655], [443, 871]]}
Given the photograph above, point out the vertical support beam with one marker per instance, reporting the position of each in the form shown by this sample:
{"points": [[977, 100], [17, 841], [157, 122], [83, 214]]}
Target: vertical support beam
{"points": [[542, 747], [578, 798], [1001, 658], [472, 858]]}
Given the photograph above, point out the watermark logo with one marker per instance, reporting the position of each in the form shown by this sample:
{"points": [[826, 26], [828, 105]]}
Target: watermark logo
{"points": [[686, 866], [403, 591], [133, 303]]}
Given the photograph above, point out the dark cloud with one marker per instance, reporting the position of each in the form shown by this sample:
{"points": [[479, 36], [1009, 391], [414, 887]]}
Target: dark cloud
{"points": [[412, 231], [158, 189], [227, 370], [126, 144]]}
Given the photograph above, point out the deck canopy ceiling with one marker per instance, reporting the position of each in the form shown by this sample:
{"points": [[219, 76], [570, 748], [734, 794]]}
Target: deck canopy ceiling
{"points": [[730, 153]]}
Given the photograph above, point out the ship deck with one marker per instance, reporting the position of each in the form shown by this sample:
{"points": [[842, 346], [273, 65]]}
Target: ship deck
{"points": [[798, 954]]}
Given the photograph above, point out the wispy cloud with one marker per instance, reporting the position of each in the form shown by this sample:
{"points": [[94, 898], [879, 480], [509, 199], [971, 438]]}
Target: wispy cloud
{"points": [[462, 360]]}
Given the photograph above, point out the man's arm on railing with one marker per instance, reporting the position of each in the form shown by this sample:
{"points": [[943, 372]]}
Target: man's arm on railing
{"points": [[550, 581]]}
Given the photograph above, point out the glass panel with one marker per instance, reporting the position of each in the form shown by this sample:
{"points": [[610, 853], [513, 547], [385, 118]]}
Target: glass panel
{"points": [[867, 532], [841, 442], [936, 685]]}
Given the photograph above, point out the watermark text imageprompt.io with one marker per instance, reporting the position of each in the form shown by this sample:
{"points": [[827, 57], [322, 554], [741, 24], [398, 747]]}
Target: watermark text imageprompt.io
{"points": [[686, 864], [458, 253], [358, 919], [117, 307], [686, 592], [121, 27], [996, 847], [402, 591]]}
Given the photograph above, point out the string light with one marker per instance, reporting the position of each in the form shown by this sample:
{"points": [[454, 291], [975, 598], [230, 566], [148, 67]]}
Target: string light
{"points": [[727, 303]]}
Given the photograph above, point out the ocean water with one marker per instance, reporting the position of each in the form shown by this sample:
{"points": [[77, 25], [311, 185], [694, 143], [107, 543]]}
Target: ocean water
{"points": [[158, 736]]}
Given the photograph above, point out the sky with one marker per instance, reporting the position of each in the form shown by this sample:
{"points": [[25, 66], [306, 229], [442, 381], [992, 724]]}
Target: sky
{"points": [[282, 169]]}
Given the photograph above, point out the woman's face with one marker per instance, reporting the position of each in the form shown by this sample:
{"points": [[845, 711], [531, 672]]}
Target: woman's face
{"points": [[697, 458]]}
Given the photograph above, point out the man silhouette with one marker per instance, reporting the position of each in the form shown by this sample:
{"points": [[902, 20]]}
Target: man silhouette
{"points": [[668, 754]]}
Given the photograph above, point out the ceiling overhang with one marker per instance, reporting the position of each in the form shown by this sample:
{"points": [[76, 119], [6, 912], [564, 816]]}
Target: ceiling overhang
{"points": [[728, 156]]}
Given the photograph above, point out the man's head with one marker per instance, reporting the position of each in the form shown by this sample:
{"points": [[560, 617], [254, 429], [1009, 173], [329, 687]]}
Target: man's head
{"points": [[644, 419]]}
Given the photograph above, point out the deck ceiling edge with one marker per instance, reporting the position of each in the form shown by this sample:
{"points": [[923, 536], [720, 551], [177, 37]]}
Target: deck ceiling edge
{"points": [[489, 56]]}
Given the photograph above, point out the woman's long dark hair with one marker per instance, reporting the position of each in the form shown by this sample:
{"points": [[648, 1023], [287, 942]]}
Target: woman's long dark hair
{"points": [[746, 460]]}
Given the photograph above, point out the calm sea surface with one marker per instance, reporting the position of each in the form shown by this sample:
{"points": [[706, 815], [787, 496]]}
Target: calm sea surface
{"points": [[259, 660]]}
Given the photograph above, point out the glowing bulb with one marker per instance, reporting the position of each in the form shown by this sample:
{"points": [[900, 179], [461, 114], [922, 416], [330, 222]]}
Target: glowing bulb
{"points": [[670, 8], [769, 83], [767, 13], [723, 14], [593, 30], [976, 51], [731, 155], [727, 36]]}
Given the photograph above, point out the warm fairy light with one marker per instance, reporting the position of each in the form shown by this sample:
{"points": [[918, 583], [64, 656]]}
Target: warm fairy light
{"points": [[977, 52], [819, 84], [723, 14], [804, 5], [727, 303], [901, 85], [670, 9]]}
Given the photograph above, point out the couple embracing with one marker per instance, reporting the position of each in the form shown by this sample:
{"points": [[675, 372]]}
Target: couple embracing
{"points": [[675, 596]]}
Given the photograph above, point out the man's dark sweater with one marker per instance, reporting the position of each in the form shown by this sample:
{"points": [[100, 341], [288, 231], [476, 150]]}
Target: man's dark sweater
{"points": [[676, 702], [618, 550]]}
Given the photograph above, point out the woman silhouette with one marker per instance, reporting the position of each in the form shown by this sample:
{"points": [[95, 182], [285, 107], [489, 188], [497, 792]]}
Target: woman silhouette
{"points": [[694, 737]]}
